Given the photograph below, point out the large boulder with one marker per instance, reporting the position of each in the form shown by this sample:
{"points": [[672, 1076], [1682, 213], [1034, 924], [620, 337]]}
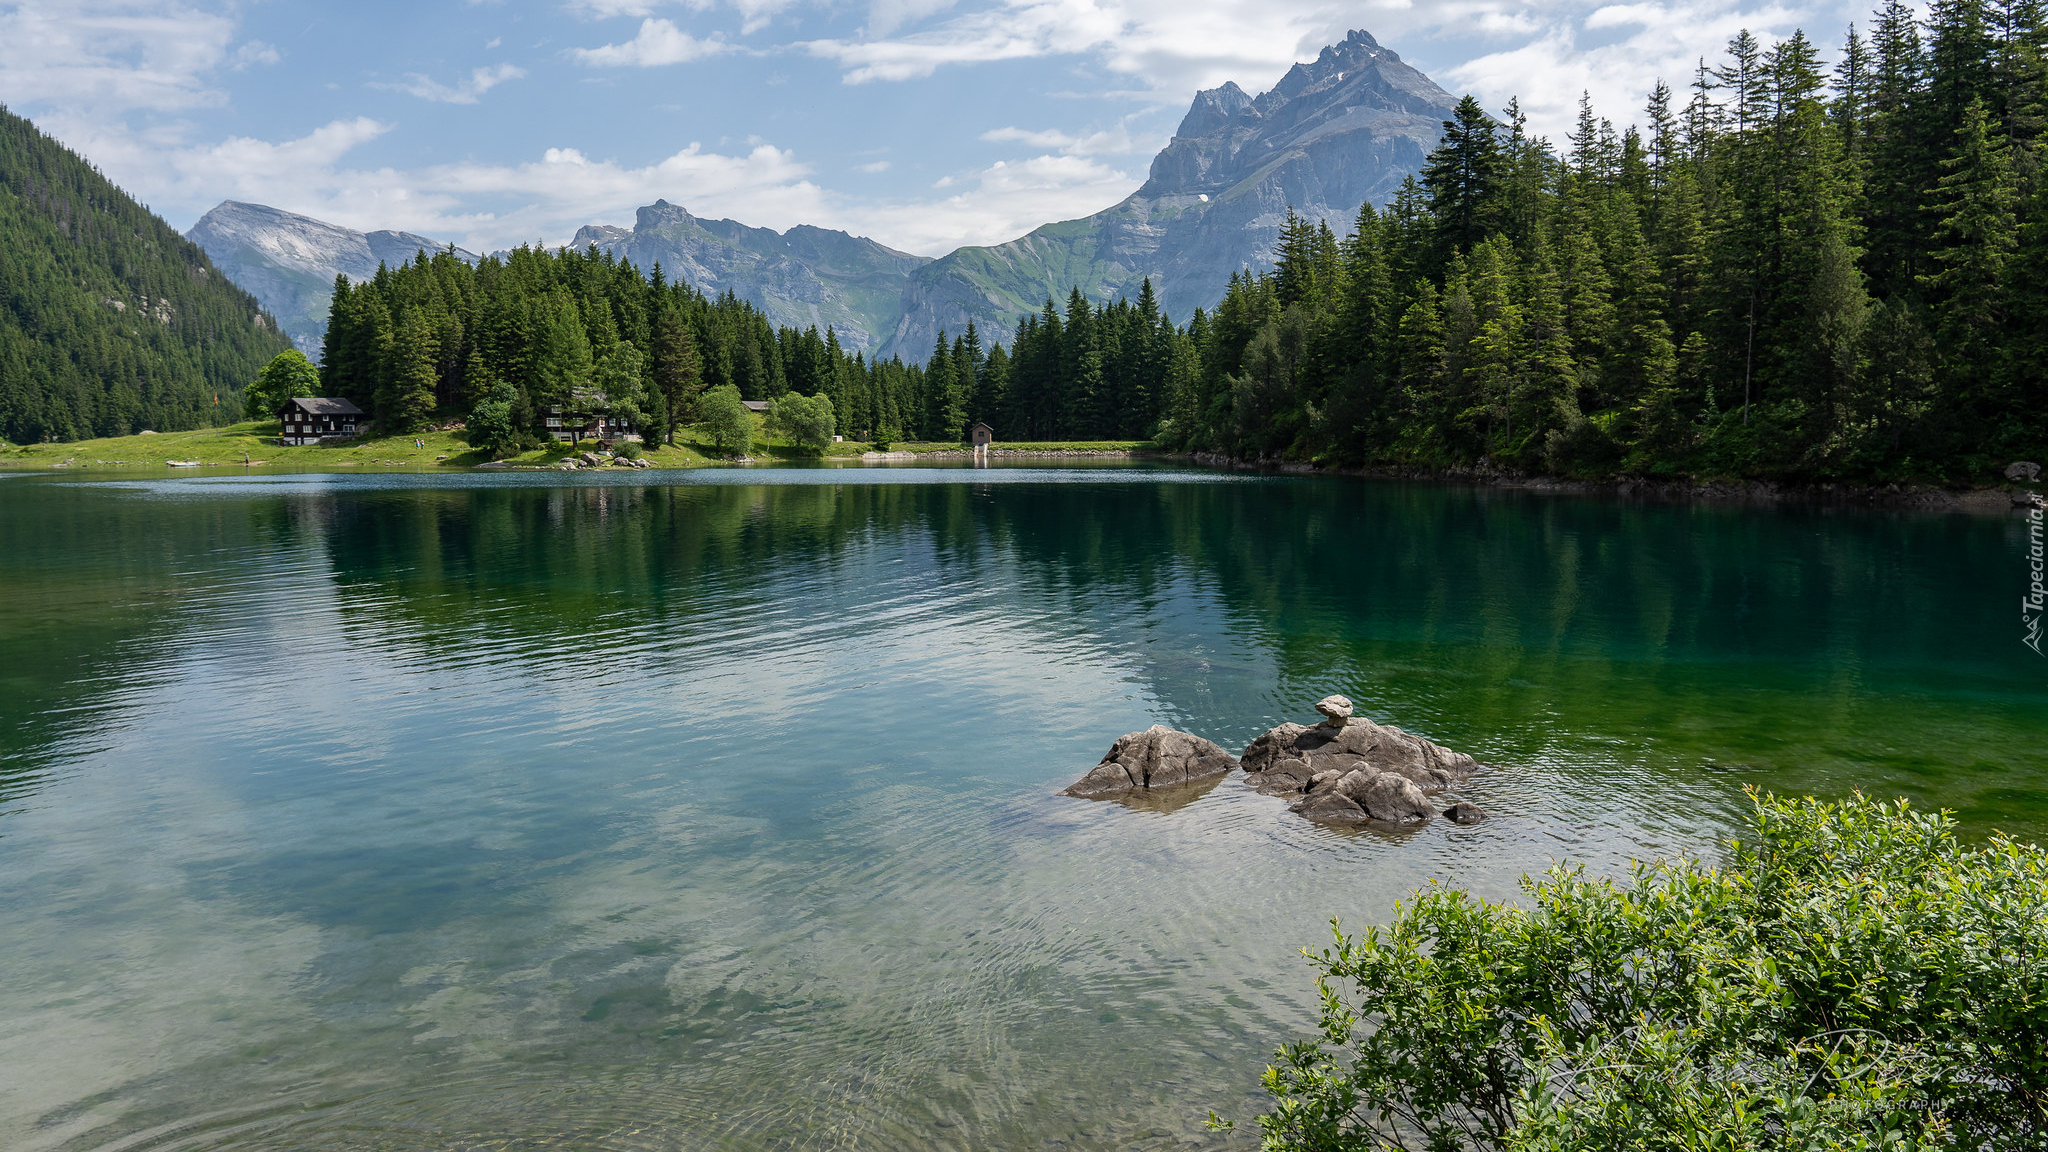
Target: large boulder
{"points": [[1336, 763], [1158, 757], [1394, 799]]}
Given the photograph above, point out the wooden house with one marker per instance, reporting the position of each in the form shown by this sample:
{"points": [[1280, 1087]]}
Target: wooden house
{"points": [[981, 436], [756, 406], [311, 419], [576, 425]]}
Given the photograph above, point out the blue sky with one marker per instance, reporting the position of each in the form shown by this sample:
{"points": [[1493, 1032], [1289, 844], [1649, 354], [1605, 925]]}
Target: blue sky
{"points": [[926, 124]]}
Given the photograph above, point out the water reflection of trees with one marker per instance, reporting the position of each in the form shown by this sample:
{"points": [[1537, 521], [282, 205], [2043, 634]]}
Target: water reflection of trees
{"points": [[93, 588], [1519, 626]]}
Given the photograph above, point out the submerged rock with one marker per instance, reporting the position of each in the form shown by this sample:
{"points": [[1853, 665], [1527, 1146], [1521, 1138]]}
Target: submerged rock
{"points": [[1464, 812], [1349, 768], [1158, 757]]}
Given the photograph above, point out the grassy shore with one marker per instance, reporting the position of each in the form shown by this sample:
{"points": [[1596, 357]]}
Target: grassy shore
{"points": [[255, 444]]}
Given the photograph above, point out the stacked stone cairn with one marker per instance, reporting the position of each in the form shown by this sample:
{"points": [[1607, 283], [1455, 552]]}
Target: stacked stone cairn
{"points": [[1346, 770]]}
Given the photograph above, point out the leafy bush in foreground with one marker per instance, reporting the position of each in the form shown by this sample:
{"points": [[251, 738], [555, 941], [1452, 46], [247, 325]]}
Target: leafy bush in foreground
{"points": [[1853, 978]]}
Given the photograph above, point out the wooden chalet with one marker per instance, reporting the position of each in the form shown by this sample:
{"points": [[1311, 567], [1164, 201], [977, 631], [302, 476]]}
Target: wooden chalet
{"points": [[311, 419], [981, 436], [575, 426], [759, 406]]}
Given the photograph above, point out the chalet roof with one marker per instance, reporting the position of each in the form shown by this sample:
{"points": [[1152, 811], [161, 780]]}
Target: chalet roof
{"points": [[324, 406], [979, 424], [756, 405]]}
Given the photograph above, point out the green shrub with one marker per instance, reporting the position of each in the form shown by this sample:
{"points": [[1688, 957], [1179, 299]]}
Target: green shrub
{"points": [[727, 420], [1853, 978], [630, 449]]}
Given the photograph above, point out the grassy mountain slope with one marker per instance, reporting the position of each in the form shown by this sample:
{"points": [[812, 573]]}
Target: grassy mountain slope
{"points": [[110, 321]]}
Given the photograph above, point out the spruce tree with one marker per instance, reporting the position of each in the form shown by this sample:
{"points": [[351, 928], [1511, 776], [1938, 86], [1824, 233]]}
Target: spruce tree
{"points": [[1464, 177], [406, 403]]}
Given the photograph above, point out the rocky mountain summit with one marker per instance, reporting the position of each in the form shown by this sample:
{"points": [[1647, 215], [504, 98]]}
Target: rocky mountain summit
{"points": [[801, 278], [1331, 135], [1345, 770], [289, 261]]}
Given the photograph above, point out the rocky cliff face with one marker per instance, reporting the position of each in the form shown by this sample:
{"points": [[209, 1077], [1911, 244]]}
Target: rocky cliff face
{"points": [[288, 261], [803, 277], [1330, 136]]}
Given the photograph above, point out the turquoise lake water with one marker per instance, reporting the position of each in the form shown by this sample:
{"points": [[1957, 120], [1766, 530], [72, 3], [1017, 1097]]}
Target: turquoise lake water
{"points": [[718, 810]]}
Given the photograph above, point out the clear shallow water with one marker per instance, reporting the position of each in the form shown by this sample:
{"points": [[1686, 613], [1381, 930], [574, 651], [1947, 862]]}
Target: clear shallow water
{"points": [[718, 810]]}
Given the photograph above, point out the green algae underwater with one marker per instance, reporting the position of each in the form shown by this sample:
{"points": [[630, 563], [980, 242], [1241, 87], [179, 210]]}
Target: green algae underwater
{"points": [[719, 809]]}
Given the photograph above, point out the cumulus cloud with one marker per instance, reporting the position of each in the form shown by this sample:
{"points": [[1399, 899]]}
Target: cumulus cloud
{"points": [[484, 206], [481, 80], [109, 57], [659, 42], [1616, 53], [1107, 142], [990, 205]]}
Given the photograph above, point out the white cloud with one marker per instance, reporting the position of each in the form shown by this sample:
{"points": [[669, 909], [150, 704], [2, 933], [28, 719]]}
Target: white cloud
{"points": [[659, 42], [481, 80], [754, 13], [256, 52], [1039, 29], [877, 166], [992, 205], [108, 57], [1616, 53], [1108, 142]]}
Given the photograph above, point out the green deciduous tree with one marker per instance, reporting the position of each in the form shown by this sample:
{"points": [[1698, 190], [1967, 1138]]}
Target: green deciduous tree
{"points": [[805, 420], [726, 418], [288, 375]]}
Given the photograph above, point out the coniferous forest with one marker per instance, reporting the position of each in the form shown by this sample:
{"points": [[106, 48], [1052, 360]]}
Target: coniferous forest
{"points": [[1793, 268], [110, 322], [439, 335]]}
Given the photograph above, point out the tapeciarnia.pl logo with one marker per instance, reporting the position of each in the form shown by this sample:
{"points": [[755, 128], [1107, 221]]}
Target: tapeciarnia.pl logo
{"points": [[2036, 599]]}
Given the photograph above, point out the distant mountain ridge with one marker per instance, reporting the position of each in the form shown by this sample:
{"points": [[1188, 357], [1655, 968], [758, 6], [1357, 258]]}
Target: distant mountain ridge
{"points": [[289, 261], [1334, 133], [801, 278]]}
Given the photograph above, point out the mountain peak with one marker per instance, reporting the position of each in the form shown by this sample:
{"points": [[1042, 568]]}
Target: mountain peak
{"points": [[1212, 107], [1228, 136], [1339, 130]]}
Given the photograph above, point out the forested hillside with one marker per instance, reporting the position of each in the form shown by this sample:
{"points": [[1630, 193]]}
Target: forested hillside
{"points": [[110, 322]]}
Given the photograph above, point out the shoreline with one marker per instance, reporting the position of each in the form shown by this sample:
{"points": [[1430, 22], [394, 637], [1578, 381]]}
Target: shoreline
{"points": [[1752, 493], [1755, 493]]}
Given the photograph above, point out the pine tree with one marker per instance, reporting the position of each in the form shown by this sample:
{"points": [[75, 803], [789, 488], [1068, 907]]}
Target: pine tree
{"points": [[1464, 178], [1977, 202], [406, 404], [676, 367]]}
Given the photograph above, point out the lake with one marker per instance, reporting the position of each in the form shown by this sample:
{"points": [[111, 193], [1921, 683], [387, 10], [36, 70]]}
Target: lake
{"points": [[719, 809]]}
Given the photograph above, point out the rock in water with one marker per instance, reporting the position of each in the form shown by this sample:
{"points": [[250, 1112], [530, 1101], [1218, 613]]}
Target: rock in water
{"points": [[1394, 799], [1342, 759], [1158, 757], [1464, 812]]}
